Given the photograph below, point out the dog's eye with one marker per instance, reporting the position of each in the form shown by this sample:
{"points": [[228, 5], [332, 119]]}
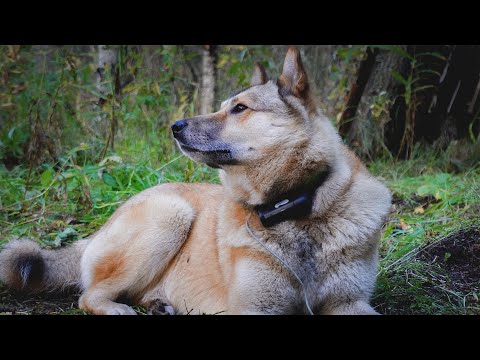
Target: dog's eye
{"points": [[238, 108]]}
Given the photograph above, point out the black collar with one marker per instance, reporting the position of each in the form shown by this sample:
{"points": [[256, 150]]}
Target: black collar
{"points": [[294, 204]]}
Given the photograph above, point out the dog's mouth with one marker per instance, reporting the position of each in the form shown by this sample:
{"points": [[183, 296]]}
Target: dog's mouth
{"points": [[213, 155], [192, 149]]}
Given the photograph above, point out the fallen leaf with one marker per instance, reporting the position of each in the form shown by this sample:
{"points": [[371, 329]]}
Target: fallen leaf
{"points": [[419, 210], [111, 159]]}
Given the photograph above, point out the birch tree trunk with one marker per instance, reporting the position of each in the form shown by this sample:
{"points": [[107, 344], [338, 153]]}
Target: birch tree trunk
{"points": [[106, 63], [209, 64]]}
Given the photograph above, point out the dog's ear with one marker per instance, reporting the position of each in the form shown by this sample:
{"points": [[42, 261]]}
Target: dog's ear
{"points": [[294, 78], [259, 76]]}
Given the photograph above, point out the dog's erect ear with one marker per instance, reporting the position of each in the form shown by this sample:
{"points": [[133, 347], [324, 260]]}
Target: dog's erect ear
{"points": [[259, 76], [294, 78]]}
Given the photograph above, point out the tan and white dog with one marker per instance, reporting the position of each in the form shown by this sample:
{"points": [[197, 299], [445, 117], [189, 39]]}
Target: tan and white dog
{"points": [[187, 246]]}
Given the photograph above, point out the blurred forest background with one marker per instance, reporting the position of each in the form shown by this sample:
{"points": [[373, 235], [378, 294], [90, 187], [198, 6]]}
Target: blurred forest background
{"points": [[84, 127]]}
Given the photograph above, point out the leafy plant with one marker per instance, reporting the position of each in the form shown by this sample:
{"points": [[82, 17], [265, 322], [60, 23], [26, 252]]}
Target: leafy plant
{"points": [[412, 88]]}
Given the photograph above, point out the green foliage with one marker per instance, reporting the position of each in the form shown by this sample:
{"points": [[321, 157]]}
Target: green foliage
{"points": [[11, 143], [52, 92], [236, 62]]}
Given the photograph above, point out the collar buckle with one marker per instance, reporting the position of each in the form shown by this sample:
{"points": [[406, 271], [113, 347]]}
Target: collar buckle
{"points": [[295, 204]]}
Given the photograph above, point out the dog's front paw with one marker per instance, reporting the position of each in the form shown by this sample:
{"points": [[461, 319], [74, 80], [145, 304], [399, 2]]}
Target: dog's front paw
{"points": [[121, 309], [158, 307]]}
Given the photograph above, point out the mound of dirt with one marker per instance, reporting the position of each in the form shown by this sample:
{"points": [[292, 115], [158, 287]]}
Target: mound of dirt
{"points": [[459, 256]]}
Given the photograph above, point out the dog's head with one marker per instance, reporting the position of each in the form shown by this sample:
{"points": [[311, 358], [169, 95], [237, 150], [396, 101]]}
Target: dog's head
{"points": [[267, 127], [265, 117]]}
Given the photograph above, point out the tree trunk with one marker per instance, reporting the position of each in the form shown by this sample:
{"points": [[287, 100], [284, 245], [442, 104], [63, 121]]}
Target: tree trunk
{"points": [[106, 62], [107, 57], [209, 65], [373, 99], [355, 95]]}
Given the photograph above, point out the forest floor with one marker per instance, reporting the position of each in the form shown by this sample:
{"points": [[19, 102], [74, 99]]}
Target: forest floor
{"points": [[429, 253]]}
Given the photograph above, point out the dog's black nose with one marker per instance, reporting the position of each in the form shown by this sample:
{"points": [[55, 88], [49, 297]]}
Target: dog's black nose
{"points": [[178, 126]]}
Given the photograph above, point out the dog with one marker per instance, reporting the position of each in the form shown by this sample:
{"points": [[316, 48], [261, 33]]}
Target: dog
{"points": [[293, 228]]}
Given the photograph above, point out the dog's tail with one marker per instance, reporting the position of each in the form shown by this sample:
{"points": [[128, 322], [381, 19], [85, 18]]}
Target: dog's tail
{"points": [[25, 266]]}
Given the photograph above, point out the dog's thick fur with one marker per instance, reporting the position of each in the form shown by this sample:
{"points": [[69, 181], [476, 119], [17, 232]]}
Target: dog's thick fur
{"points": [[187, 245]]}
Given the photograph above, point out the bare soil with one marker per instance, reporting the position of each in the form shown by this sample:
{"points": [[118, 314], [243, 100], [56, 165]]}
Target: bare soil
{"points": [[459, 256], [14, 303]]}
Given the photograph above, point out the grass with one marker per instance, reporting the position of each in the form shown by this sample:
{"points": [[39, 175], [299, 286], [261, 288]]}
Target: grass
{"points": [[71, 201], [56, 205]]}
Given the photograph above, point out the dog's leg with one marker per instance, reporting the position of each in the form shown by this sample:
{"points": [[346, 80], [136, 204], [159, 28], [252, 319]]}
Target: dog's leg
{"points": [[359, 307], [132, 253], [97, 301], [257, 289]]}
